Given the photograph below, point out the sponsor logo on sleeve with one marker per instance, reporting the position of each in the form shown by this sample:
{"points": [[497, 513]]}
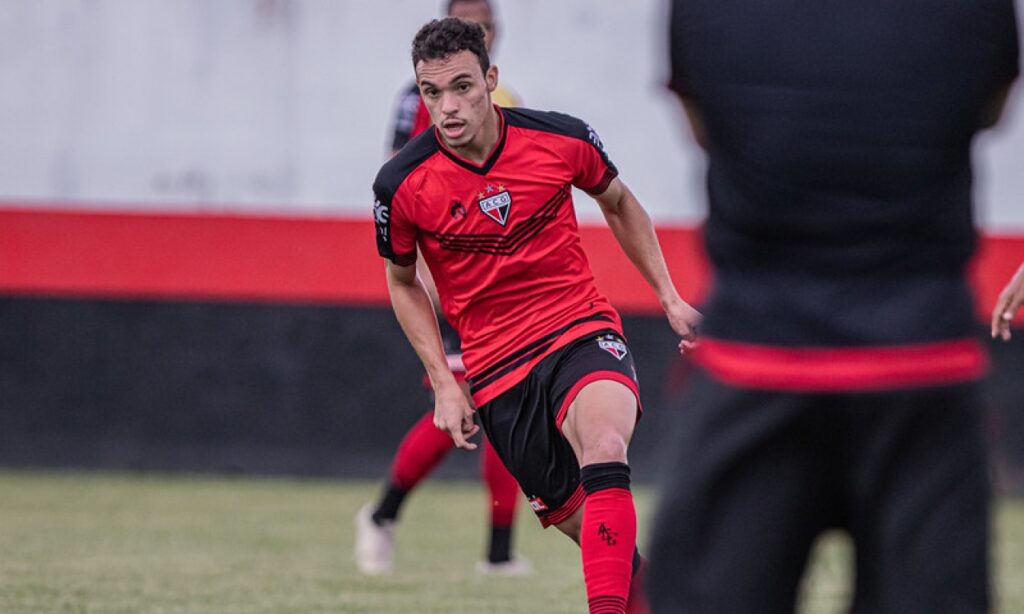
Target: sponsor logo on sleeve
{"points": [[381, 212], [381, 215], [596, 140]]}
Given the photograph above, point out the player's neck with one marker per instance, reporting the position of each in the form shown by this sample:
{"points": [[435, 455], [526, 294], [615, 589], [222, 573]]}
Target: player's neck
{"points": [[478, 150]]}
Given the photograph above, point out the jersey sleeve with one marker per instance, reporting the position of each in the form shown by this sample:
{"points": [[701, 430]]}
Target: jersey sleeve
{"points": [[396, 234], [594, 170]]}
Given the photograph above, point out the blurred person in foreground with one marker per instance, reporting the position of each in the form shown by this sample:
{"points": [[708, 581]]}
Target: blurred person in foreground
{"points": [[1007, 305], [485, 199], [424, 446], [839, 355]]}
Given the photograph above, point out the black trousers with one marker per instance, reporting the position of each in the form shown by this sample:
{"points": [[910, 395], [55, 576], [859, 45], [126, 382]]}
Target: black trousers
{"points": [[755, 476]]}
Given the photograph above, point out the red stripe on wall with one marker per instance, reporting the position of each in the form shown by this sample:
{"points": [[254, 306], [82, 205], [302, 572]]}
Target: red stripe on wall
{"points": [[52, 252], [87, 254]]}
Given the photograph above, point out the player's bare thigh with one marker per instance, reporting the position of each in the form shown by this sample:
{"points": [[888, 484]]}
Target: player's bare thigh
{"points": [[598, 426], [599, 423]]}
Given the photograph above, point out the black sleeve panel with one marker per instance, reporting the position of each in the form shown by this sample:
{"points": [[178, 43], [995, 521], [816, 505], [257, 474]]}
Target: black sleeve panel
{"points": [[560, 123], [385, 186]]}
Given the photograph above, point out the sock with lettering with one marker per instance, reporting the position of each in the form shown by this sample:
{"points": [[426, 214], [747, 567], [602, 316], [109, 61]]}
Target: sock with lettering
{"points": [[607, 536], [422, 448]]}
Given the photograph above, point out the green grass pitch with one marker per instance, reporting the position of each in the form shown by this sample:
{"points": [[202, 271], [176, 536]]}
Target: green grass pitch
{"points": [[126, 543]]}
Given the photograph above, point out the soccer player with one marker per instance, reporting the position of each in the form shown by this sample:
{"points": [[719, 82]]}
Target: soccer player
{"points": [[1010, 300], [424, 446], [485, 198], [839, 357]]}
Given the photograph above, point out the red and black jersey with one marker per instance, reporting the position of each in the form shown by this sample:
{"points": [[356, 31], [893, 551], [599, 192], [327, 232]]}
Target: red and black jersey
{"points": [[501, 239]]}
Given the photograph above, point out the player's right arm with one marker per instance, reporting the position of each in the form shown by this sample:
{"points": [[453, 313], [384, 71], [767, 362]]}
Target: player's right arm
{"points": [[415, 313], [396, 234]]}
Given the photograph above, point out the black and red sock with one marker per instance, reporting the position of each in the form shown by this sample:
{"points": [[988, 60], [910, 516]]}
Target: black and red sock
{"points": [[421, 450], [503, 491], [607, 536]]}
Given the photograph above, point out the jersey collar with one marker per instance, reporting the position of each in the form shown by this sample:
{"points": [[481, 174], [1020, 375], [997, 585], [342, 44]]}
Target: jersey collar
{"points": [[491, 159]]}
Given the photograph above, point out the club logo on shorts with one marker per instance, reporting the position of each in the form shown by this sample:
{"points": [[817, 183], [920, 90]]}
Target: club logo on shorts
{"points": [[613, 346], [537, 505], [496, 207]]}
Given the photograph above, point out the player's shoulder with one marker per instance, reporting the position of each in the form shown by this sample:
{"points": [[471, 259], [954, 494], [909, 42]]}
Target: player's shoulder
{"points": [[552, 122], [404, 163]]}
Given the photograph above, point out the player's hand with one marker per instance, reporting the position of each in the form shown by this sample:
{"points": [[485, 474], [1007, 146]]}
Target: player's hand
{"points": [[1010, 300], [453, 415], [684, 319]]}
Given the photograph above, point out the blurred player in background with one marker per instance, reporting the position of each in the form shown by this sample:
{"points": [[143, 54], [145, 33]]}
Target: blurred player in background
{"points": [[1009, 302], [485, 200], [424, 445], [839, 357]]}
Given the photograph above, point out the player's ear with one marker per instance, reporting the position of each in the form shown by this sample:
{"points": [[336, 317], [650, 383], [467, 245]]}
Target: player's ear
{"points": [[491, 76]]}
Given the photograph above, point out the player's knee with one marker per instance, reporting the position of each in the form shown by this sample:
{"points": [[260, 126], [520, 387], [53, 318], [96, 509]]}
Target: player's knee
{"points": [[606, 448]]}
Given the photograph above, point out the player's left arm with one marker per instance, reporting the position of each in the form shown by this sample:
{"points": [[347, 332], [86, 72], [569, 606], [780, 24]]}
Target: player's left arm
{"points": [[1009, 302], [634, 231]]}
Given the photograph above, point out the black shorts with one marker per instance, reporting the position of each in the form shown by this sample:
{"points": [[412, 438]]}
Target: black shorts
{"points": [[753, 477], [524, 423]]}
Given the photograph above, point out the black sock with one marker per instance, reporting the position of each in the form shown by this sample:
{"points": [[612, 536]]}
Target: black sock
{"points": [[501, 545], [389, 505]]}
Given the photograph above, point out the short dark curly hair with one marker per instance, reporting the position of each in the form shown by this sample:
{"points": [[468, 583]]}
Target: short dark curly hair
{"points": [[441, 38]]}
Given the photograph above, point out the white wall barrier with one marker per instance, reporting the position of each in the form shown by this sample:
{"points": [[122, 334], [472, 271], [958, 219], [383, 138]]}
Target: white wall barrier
{"points": [[284, 105]]}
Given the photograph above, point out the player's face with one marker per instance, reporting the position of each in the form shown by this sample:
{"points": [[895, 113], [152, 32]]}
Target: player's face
{"points": [[458, 96], [479, 12]]}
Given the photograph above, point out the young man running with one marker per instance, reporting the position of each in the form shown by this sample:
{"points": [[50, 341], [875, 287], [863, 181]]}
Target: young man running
{"points": [[424, 447], [485, 198]]}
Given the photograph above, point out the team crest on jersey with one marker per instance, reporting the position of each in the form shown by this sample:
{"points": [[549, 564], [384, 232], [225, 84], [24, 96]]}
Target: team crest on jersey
{"points": [[537, 505], [497, 207], [613, 346]]}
